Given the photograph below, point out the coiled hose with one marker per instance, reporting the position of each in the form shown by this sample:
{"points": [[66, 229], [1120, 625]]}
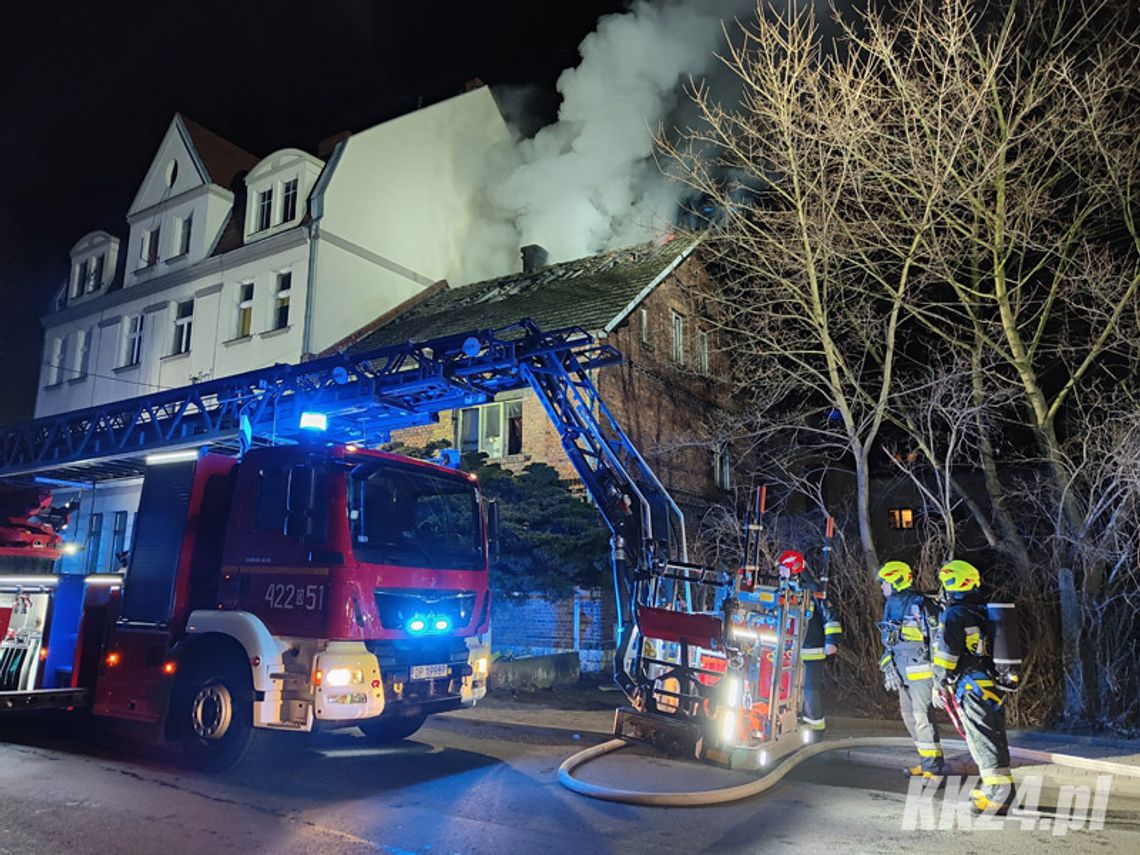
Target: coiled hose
{"points": [[766, 782]]}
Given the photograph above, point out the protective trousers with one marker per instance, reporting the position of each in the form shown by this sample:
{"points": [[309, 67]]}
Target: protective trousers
{"points": [[913, 664], [813, 695], [983, 720]]}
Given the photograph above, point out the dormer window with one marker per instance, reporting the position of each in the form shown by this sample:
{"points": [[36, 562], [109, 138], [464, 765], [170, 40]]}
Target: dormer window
{"points": [[94, 275], [182, 238], [289, 200], [80, 278], [264, 209]]}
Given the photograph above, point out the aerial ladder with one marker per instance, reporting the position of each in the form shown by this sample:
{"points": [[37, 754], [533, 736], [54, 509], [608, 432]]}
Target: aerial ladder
{"points": [[708, 659]]}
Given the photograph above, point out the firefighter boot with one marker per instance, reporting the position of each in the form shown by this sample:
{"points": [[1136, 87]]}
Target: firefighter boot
{"points": [[917, 771], [998, 802]]}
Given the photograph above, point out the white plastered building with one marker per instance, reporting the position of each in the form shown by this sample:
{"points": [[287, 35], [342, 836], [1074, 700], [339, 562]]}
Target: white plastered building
{"points": [[232, 262]]}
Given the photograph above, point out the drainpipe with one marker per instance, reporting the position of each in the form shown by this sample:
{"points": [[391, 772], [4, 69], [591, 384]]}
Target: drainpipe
{"points": [[316, 212]]}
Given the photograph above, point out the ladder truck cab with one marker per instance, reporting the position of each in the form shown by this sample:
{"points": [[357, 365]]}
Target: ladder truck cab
{"points": [[301, 586]]}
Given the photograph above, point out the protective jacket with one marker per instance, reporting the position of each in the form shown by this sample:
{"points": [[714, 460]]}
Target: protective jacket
{"points": [[910, 620], [823, 628]]}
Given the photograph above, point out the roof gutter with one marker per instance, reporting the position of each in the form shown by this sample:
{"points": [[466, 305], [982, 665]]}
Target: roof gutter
{"points": [[316, 211]]}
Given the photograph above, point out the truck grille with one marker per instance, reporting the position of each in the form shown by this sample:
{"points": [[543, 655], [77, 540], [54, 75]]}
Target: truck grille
{"points": [[399, 605]]}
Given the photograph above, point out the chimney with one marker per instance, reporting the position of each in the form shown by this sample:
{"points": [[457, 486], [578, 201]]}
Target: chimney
{"points": [[534, 258]]}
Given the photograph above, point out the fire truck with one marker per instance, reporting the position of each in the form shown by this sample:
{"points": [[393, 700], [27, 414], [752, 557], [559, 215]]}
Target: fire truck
{"points": [[284, 576]]}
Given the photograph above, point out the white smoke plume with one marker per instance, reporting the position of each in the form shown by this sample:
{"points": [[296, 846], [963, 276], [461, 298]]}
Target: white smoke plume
{"points": [[588, 182]]}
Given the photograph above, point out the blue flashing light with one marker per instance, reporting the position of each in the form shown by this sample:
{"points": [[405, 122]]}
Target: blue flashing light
{"points": [[417, 625], [314, 421], [442, 625]]}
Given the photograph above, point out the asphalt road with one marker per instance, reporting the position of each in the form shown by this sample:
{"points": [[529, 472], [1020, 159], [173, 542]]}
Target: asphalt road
{"points": [[463, 784]]}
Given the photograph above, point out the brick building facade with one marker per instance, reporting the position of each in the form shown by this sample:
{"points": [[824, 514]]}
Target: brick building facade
{"points": [[642, 301]]}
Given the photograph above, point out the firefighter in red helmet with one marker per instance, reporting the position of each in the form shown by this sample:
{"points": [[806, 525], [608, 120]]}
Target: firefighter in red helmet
{"points": [[821, 637]]}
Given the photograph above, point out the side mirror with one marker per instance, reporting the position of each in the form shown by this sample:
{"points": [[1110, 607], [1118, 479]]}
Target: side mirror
{"points": [[493, 529]]}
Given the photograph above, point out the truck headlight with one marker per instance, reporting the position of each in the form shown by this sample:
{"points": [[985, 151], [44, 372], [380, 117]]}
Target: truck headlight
{"points": [[343, 676]]}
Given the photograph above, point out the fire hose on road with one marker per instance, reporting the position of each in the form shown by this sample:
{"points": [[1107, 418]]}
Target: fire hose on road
{"points": [[769, 780]]}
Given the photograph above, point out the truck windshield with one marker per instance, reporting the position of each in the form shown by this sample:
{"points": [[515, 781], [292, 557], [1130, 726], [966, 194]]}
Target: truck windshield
{"points": [[409, 516]]}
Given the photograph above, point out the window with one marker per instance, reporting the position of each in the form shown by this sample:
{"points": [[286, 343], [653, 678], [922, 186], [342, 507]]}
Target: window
{"points": [[57, 367], [722, 465], [272, 493], [901, 518], [133, 341], [281, 300], [95, 277], [148, 250], [289, 200], [245, 310], [183, 324], [493, 429], [678, 339], [643, 318], [82, 353], [264, 209], [118, 541], [184, 228], [703, 352], [94, 538], [80, 279]]}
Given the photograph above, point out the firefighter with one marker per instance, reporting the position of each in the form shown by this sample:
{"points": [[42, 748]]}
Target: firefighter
{"points": [[963, 664], [909, 618], [821, 639]]}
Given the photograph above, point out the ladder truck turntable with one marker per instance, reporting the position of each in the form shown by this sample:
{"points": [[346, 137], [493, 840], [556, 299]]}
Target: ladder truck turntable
{"points": [[284, 576]]}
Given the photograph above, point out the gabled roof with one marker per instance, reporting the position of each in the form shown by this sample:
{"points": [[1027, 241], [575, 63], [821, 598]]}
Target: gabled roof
{"points": [[223, 160], [595, 293]]}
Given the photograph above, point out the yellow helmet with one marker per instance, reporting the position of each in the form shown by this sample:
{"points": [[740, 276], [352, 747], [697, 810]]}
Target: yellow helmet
{"points": [[959, 576], [898, 573]]}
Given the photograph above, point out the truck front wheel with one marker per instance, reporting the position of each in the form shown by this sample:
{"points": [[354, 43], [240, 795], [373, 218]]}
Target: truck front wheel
{"points": [[391, 729], [214, 716]]}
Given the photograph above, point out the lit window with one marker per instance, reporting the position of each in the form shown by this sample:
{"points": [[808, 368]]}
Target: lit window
{"points": [[722, 465], [281, 300], [245, 310], [183, 325], [184, 228], [678, 339], [703, 352], [493, 429], [133, 341], [289, 200], [264, 209], [643, 317], [901, 518], [82, 353]]}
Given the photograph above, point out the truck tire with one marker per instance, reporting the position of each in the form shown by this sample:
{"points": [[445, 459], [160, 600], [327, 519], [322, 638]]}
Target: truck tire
{"points": [[391, 729], [213, 710]]}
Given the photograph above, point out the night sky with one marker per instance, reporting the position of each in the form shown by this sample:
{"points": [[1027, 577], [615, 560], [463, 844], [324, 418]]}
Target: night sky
{"points": [[90, 88]]}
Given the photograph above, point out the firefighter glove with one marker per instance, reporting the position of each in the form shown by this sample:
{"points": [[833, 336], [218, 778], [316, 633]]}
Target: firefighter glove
{"points": [[892, 682], [938, 699]]}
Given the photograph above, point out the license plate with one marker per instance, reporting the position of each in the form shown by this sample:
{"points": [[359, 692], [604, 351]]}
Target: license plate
{"points": [[430, 672]]}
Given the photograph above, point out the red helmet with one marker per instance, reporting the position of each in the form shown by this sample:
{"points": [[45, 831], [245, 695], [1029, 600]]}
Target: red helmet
{"points": [[791, 562]]}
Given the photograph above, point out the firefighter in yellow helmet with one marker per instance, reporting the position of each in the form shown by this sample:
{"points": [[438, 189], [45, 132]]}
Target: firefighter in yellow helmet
{"points": [[909, 621], [963, 664]]}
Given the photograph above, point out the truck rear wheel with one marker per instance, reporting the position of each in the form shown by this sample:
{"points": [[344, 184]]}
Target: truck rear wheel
{"points": [[391, 729], [214, 716]]}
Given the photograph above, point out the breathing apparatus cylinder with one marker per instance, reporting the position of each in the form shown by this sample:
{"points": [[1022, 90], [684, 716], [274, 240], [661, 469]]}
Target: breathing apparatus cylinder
{"points": [[1006, 643]]}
